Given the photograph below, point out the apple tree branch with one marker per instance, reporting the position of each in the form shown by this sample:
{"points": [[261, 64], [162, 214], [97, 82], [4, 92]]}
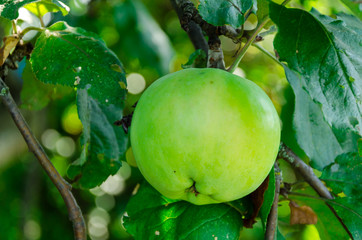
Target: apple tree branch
{"points": [[34, 146], [305, 170]]}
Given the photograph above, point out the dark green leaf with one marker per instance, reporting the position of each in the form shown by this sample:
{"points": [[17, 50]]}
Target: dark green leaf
{"points": [[310, 126], [350, 211], [144, 40], [9, 8], [74, 57], [345, 178], [345, 175], [197, 60], [41, 7], [326, 53], [268, 199], [104, 144], [355, 7], [152, 216], [229, 12]]}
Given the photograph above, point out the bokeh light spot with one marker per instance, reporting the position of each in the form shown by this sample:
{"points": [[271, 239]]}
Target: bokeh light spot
{"points": [[136, 83], [49, 138], [32, 230], [65, 146]]}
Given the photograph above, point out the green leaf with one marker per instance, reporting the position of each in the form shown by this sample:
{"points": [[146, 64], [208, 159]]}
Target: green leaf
{"points": [[9, 8], [355, 7], [104, 144], [41, 7], [35, 95], [153, 216], [350, 211], [345, 175], [310, 126], [326, 53], [328, 225], [74, 57], [229, 12], [263, 12], [197, 60], [268, 199], [154, 48], [345, 178]]}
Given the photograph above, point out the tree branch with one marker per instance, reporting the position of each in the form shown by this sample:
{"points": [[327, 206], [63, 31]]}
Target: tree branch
{"points": [[185, 10], [306, 171], [34, 146], [246, 46], [194, 25], [273, 215]]}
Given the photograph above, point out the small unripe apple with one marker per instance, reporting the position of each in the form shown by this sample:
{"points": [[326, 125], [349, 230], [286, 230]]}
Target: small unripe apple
{"points": [[205, 136]]}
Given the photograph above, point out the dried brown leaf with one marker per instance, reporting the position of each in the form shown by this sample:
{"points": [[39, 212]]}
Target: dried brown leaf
{"points": [[10, 42], [301, 214], [257, 197]]}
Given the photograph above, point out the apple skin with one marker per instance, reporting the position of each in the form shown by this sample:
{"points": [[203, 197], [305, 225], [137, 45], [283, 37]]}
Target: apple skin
{"points": [[205, 136]]}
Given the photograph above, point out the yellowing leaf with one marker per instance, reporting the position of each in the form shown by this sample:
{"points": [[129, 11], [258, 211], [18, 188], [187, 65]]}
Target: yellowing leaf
{"points": [[10, 43]]}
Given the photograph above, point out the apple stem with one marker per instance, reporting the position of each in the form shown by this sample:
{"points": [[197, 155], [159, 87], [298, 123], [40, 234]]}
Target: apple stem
{"points": [[193, 189]]}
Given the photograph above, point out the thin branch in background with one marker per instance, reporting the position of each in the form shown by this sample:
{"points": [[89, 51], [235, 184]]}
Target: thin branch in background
{"points": [[266, 52], [246, 46], [328, 202], [272, 222], [305, 170], [34, 146]]}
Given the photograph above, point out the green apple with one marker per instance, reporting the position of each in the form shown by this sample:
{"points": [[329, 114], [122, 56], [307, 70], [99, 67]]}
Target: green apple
{"points": [[304, 232], [205, 136]]}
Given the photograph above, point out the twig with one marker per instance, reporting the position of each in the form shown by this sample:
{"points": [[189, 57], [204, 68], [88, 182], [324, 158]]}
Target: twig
{"points": [[328, 202], [194, 25], [273, 215], [63, 187], [248, 43], [266, 52], [216, 55], [251, 40], [306, 171]]}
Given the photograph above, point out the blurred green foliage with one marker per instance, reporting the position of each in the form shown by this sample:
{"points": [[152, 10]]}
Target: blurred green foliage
{"points": [[147, 38]]}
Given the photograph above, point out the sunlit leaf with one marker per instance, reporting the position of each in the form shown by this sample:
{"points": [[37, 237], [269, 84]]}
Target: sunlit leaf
{"points": [[153, 216], [74, 57], [9, 8], [9, 43], [41, 7]]}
